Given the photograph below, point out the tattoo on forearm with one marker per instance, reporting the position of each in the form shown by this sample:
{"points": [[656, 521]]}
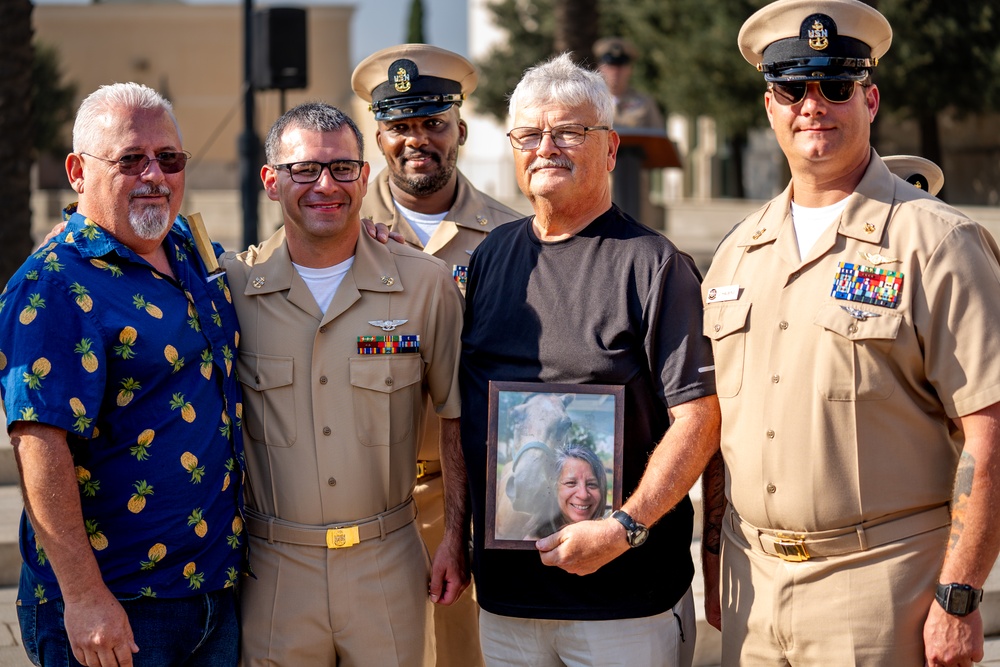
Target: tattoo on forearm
{"points": [[960, 498], [713, 503]]}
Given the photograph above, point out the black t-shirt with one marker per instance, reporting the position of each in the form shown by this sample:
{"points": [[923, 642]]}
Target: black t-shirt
{"points": [[615, 304]]}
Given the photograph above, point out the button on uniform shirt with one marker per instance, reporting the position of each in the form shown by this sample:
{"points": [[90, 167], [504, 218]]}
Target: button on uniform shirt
{"points": [[138, 368], [840, 374]]}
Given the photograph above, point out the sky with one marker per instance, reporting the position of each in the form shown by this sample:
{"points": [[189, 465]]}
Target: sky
{"points": [[377, 23]]}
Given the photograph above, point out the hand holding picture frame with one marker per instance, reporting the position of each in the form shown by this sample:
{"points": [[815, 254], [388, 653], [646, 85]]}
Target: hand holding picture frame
{"points": [[554, 457]]}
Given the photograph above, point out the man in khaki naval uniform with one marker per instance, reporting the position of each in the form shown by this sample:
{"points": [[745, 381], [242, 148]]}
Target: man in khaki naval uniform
{"points": [[333, 419], [419, 133], [854, 322], [615, 56]]}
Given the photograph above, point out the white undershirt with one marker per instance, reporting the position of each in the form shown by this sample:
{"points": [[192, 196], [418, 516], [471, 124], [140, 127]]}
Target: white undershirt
{"points": [[424, 225], [323, 283], [810, 223]]}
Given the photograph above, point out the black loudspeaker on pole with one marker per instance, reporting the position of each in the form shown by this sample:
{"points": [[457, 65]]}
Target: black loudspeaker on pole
{"points": [[279, 61]]}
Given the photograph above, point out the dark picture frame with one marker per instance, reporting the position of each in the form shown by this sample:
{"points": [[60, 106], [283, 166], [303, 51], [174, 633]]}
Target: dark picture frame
{"points": [[554, 456]]}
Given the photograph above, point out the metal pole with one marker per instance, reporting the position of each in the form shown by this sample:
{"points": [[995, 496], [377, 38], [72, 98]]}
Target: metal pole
{"points": [[249, 143]]}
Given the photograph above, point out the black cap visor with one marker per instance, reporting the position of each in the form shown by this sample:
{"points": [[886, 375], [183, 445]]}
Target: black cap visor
{"points": [[818, 69], [414, 106]]}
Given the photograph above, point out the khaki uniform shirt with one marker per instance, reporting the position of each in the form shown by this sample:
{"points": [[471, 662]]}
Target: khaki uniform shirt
{"points": [[471, 218], [331, 435], [635, 109], [831, 418]]}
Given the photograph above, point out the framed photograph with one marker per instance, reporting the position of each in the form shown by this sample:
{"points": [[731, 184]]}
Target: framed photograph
{"points": [[554, 458]]}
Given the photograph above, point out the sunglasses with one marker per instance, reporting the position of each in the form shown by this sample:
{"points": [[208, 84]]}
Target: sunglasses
{"points": [[836, 92], [134, 164]]}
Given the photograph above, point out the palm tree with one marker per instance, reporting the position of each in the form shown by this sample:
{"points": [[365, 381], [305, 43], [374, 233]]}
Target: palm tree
{"points": [[16, 134]]}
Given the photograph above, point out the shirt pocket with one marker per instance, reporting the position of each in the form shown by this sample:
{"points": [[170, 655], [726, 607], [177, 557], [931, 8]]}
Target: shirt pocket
{"points": [[854, 361], [386, 394], [268, 397], [726, 325]]}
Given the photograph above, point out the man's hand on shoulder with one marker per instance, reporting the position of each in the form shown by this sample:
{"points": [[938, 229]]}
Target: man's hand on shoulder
{"points": [[952, 641], [99, 632], [584, 547], [380, 232], [449, 571], [56, 231]]}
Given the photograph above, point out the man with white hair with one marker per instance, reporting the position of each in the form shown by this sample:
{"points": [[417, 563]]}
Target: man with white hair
{"points": [[598, 299], [124, 411]]}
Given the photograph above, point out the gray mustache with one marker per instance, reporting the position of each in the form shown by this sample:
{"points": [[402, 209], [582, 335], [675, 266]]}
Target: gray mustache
{"points": [[543, 162], [146, 190]]}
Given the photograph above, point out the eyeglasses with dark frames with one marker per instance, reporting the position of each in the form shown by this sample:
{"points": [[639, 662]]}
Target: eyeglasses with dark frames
{"points": [[342, 171], [134, 164], [836, 92], [563, 136]]}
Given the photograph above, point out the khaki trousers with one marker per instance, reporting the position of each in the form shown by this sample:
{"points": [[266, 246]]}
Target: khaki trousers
{"points": [[360, 606], [456, 626], [664, 640], [866, 608]]}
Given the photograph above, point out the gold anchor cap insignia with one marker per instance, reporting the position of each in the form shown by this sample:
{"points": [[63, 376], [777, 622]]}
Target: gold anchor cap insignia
{"points": [[387, 280], [869, 228], [258, 282], [401, 81], [818, 36]]}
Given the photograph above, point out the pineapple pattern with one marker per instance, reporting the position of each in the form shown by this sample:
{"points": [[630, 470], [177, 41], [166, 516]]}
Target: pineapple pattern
{"points": [[96, 343]]}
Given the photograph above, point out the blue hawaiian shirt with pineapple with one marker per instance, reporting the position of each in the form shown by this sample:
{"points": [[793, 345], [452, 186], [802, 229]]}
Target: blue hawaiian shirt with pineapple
{"points": [[139, 369]]}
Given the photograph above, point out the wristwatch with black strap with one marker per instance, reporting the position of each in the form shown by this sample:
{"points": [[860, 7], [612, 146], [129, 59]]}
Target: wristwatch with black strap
{"points": [[635, 532], [958, 599]]}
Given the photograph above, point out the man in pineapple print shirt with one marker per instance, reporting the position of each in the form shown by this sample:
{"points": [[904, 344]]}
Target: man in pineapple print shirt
{"points": [[116, 370]]}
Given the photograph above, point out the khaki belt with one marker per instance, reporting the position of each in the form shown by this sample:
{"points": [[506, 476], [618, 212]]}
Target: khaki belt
{"points": [[337, 536], [797, 547], [427, 468]]}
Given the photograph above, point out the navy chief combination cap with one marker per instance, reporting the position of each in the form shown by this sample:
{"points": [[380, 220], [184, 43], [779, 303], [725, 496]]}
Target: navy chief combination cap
{"points": [[815, 40], [917, 171], [413, 80], [614, 51]]}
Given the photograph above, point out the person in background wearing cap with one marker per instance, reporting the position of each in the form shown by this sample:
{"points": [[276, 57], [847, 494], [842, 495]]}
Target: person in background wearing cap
{"points": [[415, 91], [854, 322], [918, 171], [344, 340], [581, 293], [615, 56]]}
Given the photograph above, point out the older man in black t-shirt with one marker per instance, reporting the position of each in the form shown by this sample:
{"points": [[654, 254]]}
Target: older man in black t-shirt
{"points": [[581, 293]]}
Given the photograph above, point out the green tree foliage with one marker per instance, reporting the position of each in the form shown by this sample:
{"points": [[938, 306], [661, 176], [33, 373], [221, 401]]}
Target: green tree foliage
{"points": [[53, 102], [944, 55], [531, 30], [415, 27]]}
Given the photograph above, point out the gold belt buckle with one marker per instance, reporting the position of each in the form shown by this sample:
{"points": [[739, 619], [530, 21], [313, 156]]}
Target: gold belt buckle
{"points": [[791, 548], [341, 538], [421, 469]]}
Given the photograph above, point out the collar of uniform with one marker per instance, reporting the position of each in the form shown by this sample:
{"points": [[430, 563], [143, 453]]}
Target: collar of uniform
{"points": [[762, 226], [868, 210], [374, 266], [272, 268]]}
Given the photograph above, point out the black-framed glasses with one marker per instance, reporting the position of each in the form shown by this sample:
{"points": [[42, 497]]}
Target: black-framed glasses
{"points": [[343, 171], [134, 164], [563, 136], [836, 92]]}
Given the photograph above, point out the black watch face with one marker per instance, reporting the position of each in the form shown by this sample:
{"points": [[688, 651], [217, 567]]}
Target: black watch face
{"points": [[958, 601]]}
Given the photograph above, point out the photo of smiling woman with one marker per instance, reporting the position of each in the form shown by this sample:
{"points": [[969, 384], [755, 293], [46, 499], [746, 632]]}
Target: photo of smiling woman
{"points": [[581, 488]]}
